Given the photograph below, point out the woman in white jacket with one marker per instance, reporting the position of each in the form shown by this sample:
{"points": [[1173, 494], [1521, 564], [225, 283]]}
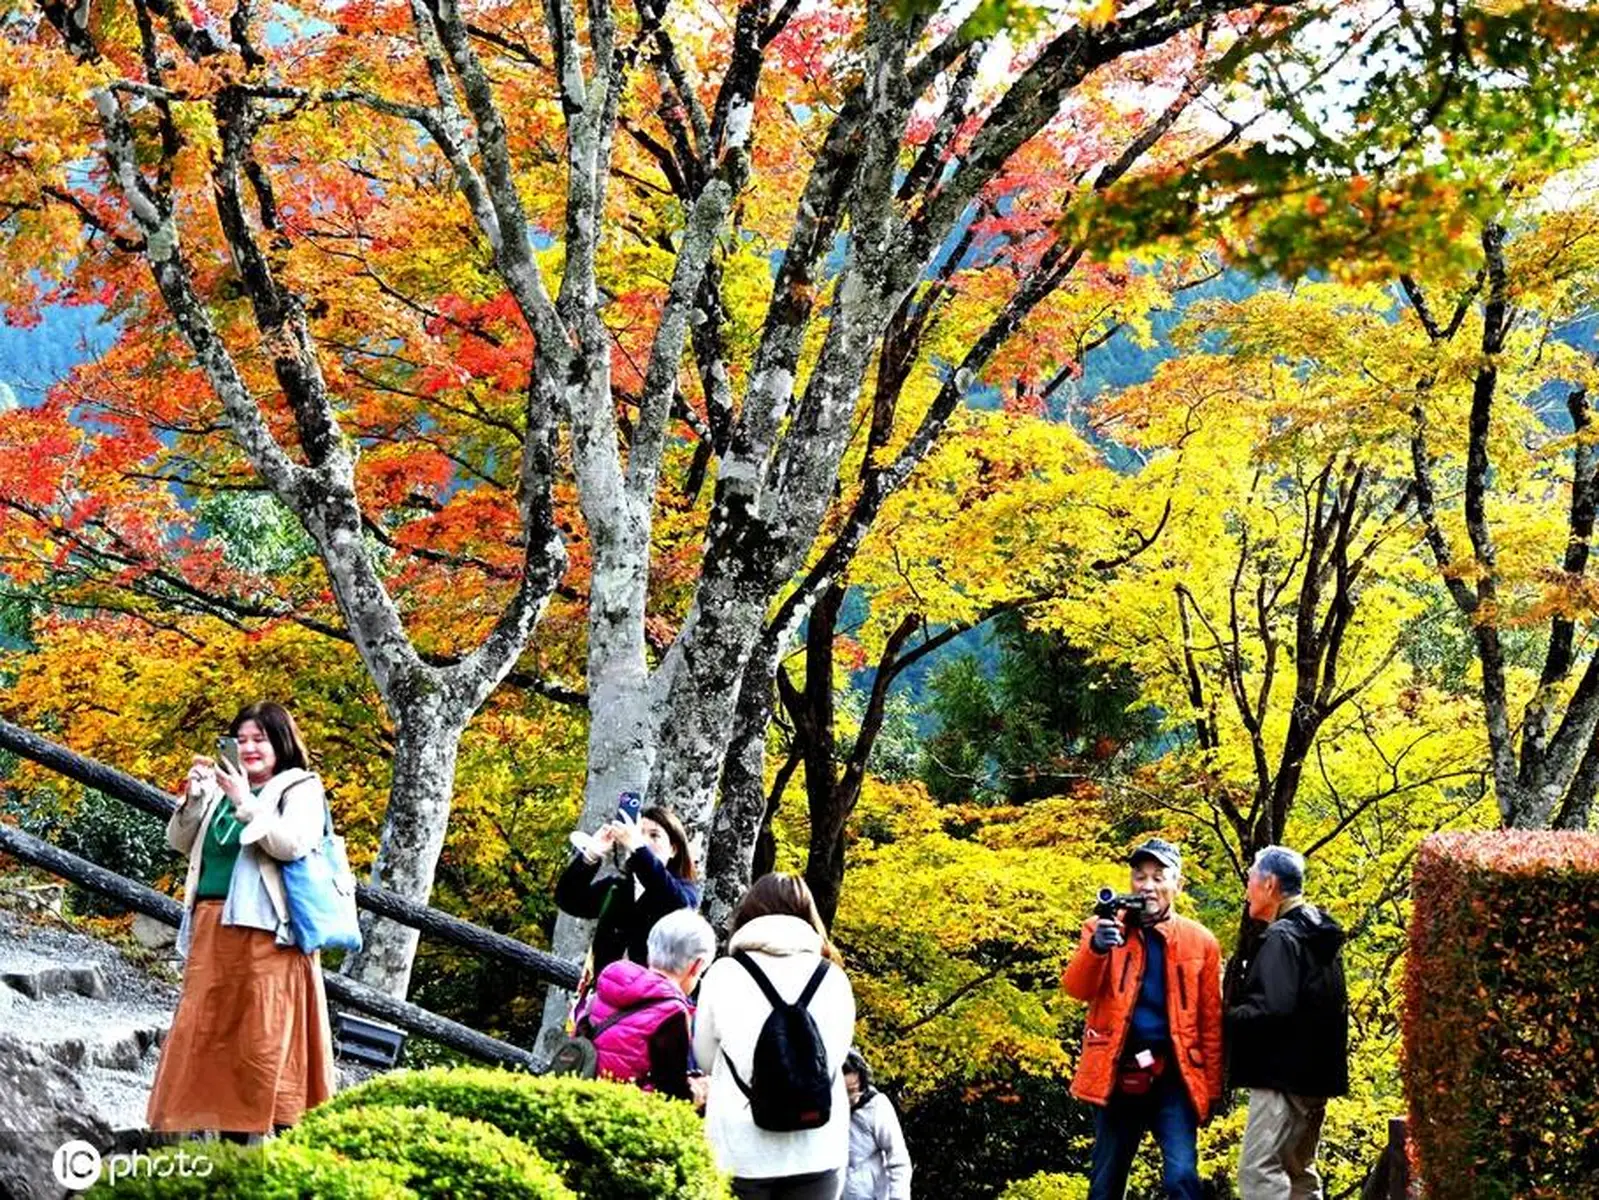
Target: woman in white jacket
{"points": [[777, 926]]}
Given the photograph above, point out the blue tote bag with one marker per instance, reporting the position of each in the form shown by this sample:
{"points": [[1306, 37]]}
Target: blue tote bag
{"points": [[320, 891]]}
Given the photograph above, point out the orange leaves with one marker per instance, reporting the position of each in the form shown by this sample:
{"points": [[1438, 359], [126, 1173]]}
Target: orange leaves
{"points": [[402, 475], [476, 519]]}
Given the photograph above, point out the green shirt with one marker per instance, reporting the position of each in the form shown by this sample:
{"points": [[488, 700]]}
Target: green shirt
{"points": [[218, 854]]}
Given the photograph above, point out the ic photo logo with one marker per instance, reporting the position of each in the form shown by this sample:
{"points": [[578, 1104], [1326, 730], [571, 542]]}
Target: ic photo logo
{"points": [[78, 1166]]}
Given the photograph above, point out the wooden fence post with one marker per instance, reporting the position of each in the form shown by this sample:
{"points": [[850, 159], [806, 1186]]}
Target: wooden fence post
{"points": [[1398, 1160]]}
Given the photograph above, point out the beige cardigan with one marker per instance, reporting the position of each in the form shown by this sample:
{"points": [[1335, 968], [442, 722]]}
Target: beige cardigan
{"points": [[285, 822]]}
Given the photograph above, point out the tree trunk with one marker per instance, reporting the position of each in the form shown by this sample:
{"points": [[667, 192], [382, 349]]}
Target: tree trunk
{"points": [[621, 747], [737, 822], [426, 741]]}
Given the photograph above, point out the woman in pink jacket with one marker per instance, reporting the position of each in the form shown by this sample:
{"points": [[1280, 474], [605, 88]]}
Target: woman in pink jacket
{"points": [[639, 1017]]}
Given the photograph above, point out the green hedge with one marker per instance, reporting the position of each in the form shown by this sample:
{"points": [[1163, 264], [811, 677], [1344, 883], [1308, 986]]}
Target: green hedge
{"points": [[1501, 1049], [610, 1141], [442, 1156], [275, 1171]]}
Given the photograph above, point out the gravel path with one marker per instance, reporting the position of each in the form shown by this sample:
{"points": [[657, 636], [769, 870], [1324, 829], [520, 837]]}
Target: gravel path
{"points": [[111, 1043]]}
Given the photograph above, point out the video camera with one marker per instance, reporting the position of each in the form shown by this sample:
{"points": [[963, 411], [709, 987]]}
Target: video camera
{"points": [[1109, 904]]}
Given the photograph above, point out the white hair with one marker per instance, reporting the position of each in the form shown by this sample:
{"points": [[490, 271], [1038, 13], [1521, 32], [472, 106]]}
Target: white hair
{"points": [[679, 939], [1287, 865]]}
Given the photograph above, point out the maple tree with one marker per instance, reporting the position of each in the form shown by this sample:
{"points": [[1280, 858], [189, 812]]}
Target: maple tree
{"points": [[485, 299], [1470, 387]]}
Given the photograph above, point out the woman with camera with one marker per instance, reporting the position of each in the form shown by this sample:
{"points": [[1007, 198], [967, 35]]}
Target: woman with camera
{"points": [[658, 877], [250, 1049]]}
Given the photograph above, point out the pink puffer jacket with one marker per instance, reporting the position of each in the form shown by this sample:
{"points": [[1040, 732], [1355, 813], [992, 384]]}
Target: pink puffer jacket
{"points": [[624, 1048]]}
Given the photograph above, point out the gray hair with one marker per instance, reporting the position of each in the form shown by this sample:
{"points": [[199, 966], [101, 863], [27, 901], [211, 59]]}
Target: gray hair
{"points": [[1287, 865], [679, 939]]}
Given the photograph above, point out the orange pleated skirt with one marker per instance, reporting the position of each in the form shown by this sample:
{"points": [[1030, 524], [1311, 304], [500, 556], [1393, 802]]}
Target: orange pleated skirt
{"points": [[250, 1046]]}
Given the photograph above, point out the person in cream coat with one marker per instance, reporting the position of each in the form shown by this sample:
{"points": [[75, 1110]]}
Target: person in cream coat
{"points": [[778, 926], [250, 1048]]}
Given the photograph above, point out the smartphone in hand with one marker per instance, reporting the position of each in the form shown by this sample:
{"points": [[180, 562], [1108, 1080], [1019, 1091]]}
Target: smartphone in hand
{"points": [[228, 752], [628, 805]]}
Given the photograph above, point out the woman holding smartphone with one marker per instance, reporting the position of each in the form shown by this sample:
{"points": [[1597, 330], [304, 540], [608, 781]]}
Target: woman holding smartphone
{"points": [[658, 877], [250, 1049]]}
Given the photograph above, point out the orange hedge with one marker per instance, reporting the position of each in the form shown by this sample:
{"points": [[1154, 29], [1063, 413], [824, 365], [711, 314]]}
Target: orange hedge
{"points": [[1501, 1029]]}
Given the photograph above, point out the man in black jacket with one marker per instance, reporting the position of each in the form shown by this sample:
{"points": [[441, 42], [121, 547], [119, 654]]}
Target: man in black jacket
{"points": [[1288, 1032]]}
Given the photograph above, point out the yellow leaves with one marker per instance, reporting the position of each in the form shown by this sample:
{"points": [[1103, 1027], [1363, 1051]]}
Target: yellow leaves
{"points": [[924, 914], [986, 519]]}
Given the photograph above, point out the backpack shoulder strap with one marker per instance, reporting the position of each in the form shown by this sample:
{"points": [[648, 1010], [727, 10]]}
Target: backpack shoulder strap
{"points": [[813, 984], [759, 976], [733, 1071], [629, 1010]]}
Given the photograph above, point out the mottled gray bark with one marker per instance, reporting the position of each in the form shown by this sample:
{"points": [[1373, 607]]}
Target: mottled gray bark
{"points": [[736, 821], [425, 744]]}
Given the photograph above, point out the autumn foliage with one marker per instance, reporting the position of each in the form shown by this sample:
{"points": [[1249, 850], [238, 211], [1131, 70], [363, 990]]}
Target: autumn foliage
{"points": [[1501, 1068]]}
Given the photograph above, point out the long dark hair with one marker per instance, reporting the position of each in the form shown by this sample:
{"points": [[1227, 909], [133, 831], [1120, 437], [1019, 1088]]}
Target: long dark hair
{"points": [[782, 894], [682, 860], [288, 747]]}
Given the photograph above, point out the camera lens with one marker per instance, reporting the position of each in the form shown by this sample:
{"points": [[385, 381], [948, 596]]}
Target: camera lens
{"points": [[1106, 895]]}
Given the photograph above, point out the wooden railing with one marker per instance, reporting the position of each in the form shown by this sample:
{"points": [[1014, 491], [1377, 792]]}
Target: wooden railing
{"points": [[1390, 1178], [442, 926]]}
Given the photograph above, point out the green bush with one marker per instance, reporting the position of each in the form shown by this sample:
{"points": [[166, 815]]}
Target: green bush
{"points": [[974, 1133], [275, 1171], [443, 1156], [610, 1141], [1501, 1059], [1047, 1187]]}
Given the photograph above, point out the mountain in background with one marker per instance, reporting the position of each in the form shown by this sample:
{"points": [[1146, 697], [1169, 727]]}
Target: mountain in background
{"points": [[31, 360]]}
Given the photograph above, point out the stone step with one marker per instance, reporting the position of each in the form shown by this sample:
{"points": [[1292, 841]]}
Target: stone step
{"points": [[77, 1031], [37, 982]]}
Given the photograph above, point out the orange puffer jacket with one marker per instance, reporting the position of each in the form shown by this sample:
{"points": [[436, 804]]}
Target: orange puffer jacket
{"points": [[1110, 984]]}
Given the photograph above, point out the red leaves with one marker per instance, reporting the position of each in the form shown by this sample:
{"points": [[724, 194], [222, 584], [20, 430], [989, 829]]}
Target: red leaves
{"points": [[1515, 851], [812, 42], [38, 447]]}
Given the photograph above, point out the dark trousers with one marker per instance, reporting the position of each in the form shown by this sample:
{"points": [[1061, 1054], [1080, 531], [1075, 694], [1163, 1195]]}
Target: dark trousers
{"points": [[823, 1185], [1165, 1111]]}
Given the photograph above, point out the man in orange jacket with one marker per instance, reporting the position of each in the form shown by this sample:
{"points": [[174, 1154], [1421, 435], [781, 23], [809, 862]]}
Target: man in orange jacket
{"points": [[1152, 1057]]}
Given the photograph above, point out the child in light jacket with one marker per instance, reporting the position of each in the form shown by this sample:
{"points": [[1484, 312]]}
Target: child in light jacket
{"points": [[879, 1163]]}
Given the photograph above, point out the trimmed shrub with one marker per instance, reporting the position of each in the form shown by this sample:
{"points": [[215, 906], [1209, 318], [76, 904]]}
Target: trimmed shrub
{"points": [[1047, 1187], [610, 1141], [275, 1171], [1501, 1051], [440, 1155]]}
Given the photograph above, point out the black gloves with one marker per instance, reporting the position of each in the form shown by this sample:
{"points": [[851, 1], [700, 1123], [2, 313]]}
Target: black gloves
{"points": [[1106, 935]]}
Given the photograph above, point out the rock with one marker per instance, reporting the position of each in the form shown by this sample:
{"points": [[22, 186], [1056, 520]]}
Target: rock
{"points": [[40, 982], [43, 898], [42, 1107], [157, 935]]}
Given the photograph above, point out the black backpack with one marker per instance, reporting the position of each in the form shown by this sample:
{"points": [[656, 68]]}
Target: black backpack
{"points": [[790, 1087], [577, 1055]]}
